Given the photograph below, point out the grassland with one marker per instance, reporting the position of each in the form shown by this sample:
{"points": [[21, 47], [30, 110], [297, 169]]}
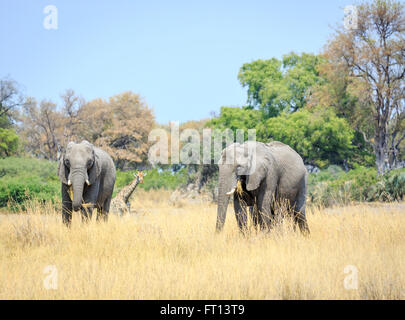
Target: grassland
{"points": [[172, 252]]}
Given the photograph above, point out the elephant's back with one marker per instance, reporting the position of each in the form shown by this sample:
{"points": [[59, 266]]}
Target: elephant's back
{"points": [[275, 144], [287, 158], [107, 162], [293, 174]]}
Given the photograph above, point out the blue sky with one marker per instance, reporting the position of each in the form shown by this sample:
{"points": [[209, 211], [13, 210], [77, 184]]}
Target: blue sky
{"points": [[183, 57]]}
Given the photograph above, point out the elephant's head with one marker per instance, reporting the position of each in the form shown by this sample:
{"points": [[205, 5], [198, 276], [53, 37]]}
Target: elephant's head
{"points": [[248, 162], [79, 165]]}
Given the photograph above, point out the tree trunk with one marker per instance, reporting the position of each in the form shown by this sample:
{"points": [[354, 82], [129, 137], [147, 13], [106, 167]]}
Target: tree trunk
{"points": [[381, 151]]}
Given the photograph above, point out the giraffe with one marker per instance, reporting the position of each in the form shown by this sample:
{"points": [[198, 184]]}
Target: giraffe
{"points": [[120, 203]]}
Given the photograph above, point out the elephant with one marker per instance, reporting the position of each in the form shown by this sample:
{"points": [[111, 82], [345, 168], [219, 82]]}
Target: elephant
{"points": [[259, 176], [87, 175]]}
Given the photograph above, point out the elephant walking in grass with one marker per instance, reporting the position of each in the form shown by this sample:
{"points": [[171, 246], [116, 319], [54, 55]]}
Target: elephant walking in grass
{"points": [[87, 174], [260, 176]]}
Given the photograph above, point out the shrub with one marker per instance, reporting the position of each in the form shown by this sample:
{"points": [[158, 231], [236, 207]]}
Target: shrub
{"points": [[23, 179], [334, 186], [155, 179]]}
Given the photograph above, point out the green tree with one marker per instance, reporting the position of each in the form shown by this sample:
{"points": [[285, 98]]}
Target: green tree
{"points": [[10, 100], [275, 86], [8, 142], [320, 137], [374, 55], [235, 118]]}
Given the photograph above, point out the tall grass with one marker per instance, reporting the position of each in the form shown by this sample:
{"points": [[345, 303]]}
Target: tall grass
{"points": [[167, 252]]}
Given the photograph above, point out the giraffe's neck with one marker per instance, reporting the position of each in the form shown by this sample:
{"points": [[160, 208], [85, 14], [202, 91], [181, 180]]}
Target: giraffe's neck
{"points": [[127, 192]]}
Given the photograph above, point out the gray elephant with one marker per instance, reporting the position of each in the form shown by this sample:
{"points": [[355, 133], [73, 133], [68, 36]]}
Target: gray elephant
{"points": [[87, 174], [257, 175]]}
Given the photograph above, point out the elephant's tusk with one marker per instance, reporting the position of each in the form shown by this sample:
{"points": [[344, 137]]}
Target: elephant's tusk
{"points": [[70, 192], [69, 183], [239, 188], [88, 182]]}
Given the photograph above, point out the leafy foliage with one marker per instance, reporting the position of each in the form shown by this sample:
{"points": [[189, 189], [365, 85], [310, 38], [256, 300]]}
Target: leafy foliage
{"points": [[236, 118], [8, 142], [23, 179], [320, 137], [120, 126], [275, 86], [154, 179], [373, 55], [42, 128], [334, 186]]}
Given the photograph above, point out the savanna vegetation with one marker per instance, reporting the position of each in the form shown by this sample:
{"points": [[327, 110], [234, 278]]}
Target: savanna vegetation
{"points": [[344, 107], [172, 252], [342, 110]]}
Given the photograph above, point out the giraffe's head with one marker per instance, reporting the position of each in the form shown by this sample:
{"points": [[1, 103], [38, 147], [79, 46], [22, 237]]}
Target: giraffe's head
{"points": [[140, 176]]}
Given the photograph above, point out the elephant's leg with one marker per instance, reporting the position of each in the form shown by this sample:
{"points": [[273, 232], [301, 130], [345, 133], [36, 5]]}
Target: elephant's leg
{"points": [[253, 216], [89, 202], [67, 213], [259, 217], [301, 220], [299, 213], [107, 203], [102, 211], [101, 214], [66, 208], [87, 213], [240, 213], [265, 210], [256, 216]]}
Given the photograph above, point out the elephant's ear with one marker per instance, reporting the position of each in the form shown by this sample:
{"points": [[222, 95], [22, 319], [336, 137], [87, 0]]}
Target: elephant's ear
{"points": [[63, 172], [95, 170], [259, 169]]}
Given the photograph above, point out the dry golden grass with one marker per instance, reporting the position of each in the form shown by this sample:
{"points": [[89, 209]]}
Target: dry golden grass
{"points": [[167, 252]]}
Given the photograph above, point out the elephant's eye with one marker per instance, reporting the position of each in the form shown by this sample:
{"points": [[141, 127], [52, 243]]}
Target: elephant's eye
{"points": [[89, 163], [67, 163]]}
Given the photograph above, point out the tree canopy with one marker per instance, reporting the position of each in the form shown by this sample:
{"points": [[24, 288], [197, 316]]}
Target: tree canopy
{"points": [[320, 137], [120, 126], [374, 55], [274, 86]]}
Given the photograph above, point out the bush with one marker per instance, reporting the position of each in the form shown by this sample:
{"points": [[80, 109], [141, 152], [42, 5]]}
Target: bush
{"points": [[390, 188], [334, 186], [23, 179], [155, 179], [26, 179], [8, 142]]}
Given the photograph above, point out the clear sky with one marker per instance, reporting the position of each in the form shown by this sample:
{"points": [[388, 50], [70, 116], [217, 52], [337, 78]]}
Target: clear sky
{"points": [[183, 57]]}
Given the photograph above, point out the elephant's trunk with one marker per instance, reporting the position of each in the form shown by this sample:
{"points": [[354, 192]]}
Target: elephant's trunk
{"points": [[227, 182], [78, 181]]}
